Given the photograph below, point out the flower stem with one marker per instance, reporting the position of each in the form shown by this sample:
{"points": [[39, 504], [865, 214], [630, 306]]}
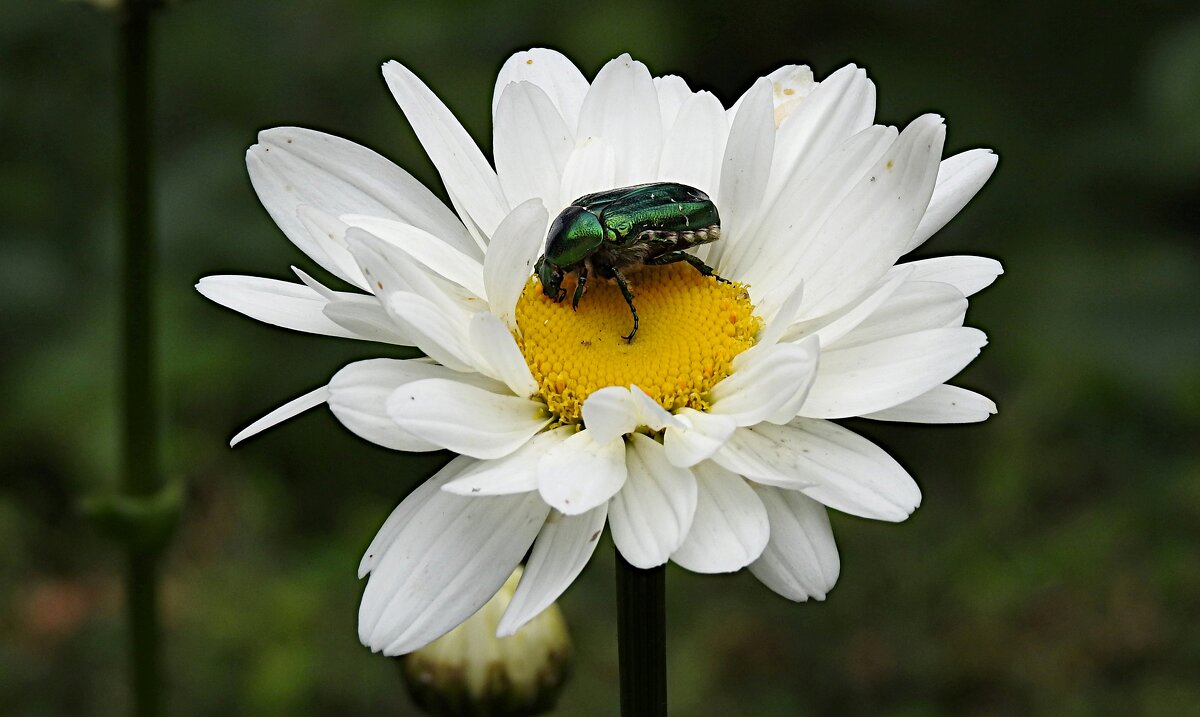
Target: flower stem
{"points": [[139, 447], [642, 639]]}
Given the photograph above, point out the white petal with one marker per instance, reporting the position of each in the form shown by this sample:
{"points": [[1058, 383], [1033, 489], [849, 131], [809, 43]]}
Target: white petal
{"points": [[580, 473], [872, 377], [848, 472], [868, 230], [801, 559], [790, 85], [464, 418], [730, 528], [358, 398], [440, 334], [431, 252], [324, 291], [404, 512], [831, 327], [498, 351], [592, 167], [389, 271], [561, 550], [291, 167], [959, 179], [330, 234], [556, 75], [969, 274], [367, 319], [532, 145], [470, 181], [651, 515], [745, 168], [510, 258], [673, 92], [915, 306], [514, 473], [780, 320], [788, 410], [789, 224], [622, 108], [443, 563], [765, 381], [609, 413], [768, 454], [650, 413], [291, 409], [279, 303], [841, 106], [699, 437], [941, 404], [695, 145]]}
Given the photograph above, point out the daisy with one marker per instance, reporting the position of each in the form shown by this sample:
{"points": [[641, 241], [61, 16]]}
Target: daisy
{"points": [[709, 440]]}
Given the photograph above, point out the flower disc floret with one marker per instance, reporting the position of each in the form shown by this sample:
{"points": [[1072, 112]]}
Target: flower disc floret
{"points": [[692, 326]]}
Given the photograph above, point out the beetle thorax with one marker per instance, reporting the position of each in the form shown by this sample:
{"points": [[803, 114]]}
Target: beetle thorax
{"points": [[574, 235]]}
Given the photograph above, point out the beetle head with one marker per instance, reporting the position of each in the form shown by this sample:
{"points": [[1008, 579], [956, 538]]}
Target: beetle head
{"points": [[551, 276], [574, 235]]}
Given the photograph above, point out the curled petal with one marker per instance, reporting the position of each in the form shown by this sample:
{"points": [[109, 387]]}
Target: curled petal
{"points": [[766, 381], [581, 473], [287, 411], [510, 258], [699, 436], [497, 351]]}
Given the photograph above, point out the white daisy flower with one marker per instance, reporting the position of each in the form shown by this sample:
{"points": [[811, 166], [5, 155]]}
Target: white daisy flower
{"points": [[709, 440]]}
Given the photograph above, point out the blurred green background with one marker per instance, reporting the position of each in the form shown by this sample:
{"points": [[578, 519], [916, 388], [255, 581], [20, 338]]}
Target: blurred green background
{"points": [[1053, 569]]}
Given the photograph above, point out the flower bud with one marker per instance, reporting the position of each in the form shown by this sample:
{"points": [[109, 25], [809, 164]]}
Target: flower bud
{"points": [[469, 672]]}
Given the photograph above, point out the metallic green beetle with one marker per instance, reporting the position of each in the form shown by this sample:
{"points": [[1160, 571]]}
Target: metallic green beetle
{"points": [[605, 232]]}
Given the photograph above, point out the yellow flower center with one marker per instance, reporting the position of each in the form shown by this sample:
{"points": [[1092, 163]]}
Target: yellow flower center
{"points": [[691, 328]]}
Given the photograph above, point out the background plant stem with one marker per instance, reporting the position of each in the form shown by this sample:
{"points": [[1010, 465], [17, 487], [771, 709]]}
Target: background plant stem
{"points": [[642, 639], [139, 438]]}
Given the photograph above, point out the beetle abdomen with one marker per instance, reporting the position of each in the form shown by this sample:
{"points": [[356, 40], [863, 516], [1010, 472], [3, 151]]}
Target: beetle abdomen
{"points": [[680, 239]]}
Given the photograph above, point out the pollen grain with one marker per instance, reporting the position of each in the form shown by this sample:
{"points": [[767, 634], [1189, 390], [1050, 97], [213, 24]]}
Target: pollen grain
{"points": [[691, 327]]}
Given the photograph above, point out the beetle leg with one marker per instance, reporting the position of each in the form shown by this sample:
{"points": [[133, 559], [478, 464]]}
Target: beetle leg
{"points": [[581, 283], [695, 261], [624, 285]]}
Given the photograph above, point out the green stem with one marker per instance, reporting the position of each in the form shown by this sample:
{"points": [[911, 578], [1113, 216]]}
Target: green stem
{"points": [[139, 442], [642, 639], [142, 588]]}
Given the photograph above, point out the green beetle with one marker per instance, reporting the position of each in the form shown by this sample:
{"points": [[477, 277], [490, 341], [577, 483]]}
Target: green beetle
{"points": [[605, 232]]}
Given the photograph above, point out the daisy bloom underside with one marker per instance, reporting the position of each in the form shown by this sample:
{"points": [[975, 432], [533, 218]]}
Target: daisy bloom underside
{"points": [[707, 441]]}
